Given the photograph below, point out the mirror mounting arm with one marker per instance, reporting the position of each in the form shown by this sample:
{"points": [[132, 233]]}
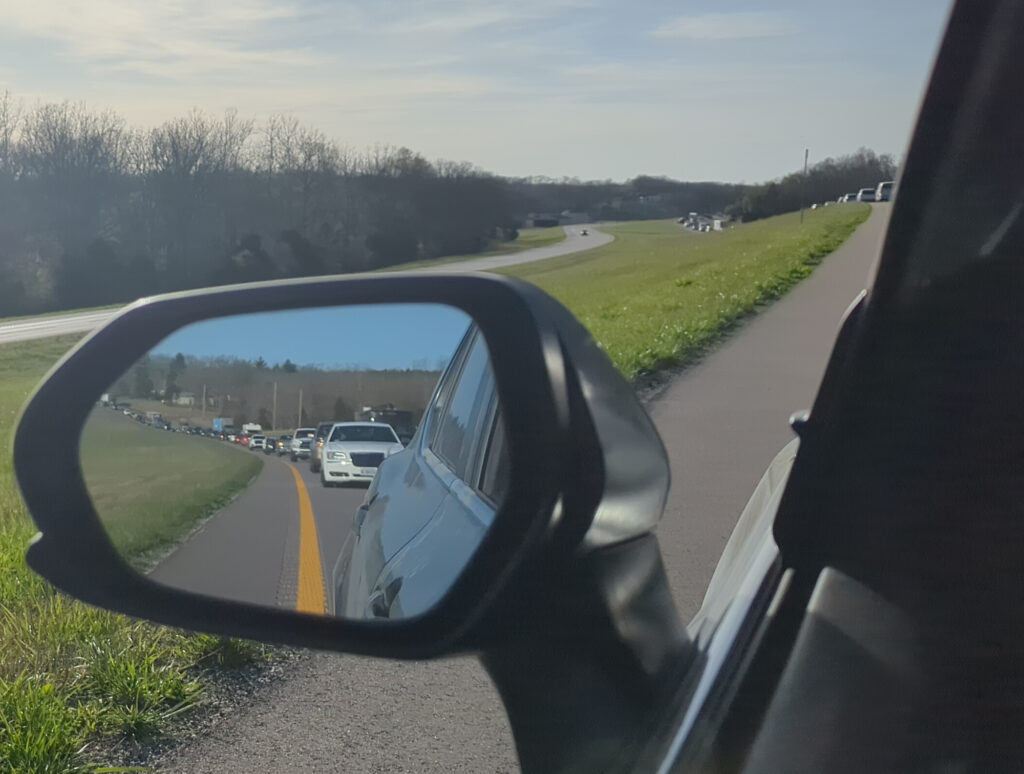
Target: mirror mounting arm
{"points": [[599, 670]]}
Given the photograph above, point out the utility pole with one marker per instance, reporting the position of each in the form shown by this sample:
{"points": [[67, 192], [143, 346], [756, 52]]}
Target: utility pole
{"points": [[298, 422], [203, 410], [803, 187], [273, 414]]}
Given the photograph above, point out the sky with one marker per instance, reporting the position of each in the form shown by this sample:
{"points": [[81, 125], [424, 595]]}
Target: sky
{"points": [[731, 90], [377, 336]]}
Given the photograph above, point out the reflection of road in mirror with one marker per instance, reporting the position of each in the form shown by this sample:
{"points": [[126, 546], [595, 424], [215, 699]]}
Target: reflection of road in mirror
{"points": [[205, 464]]}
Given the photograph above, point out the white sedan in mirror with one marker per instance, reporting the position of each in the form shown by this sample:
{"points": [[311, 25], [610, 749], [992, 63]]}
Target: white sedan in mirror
{"points": [[354, 450]]}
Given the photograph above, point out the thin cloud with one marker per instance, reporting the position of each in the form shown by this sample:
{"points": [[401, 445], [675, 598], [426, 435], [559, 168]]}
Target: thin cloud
{"points": [[728, 26], [183, 41]]}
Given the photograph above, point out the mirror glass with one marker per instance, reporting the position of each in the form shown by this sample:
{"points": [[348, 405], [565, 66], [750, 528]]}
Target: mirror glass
{"points": [[342, 461]]}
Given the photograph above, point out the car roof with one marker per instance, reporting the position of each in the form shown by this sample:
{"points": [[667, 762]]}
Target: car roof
{"points": [[362, 424]]}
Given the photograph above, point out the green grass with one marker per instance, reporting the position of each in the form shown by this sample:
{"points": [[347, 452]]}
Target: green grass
{"points": [[659, 296], [70, 674], [528, 239], [150, 487]]}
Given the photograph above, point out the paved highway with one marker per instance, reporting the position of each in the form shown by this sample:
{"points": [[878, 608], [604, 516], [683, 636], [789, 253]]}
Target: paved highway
{"points": [[59, 325], [251, 551], [722, 420]]}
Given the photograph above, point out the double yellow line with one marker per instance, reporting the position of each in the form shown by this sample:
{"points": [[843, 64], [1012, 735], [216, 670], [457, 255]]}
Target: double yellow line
{"points": [[310, 597]]}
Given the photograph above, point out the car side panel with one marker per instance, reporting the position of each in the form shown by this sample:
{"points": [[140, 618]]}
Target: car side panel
{"points": [[423, 571], [404, 496]]}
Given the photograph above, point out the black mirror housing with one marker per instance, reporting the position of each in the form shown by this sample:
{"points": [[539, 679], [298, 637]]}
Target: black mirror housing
{"points": [[571, 422]]}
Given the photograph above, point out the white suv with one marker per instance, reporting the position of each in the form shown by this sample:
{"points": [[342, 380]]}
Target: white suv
{"points": [[257, 442]]}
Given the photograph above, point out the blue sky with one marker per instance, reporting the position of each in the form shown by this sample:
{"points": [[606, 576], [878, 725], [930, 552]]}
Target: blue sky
{"points": [[730, 90], [367, 337]]}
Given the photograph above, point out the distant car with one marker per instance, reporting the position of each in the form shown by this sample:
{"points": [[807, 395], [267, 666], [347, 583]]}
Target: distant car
{"points": [[302, 453], [232, 438], [319, 437], [884, 191], [866, 195], [301, 434], [270, 446], [584, 232], [284, 445], [352, 451], [257, 442], [850, 197]]}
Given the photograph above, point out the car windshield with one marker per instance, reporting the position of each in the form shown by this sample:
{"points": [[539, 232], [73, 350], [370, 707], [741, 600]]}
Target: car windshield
{"points": [[370, 433], [305, 433]]}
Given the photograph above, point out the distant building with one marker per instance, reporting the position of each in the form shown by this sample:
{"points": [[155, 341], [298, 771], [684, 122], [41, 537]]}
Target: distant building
{"points": [[185, 399]]}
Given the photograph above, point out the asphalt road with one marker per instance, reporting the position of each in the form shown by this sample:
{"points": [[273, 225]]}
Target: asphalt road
{"points": [[59, 325], [722, 421], [249, 551]]}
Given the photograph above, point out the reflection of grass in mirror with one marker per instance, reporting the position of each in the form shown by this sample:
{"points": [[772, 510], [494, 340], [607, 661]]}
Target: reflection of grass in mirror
{"points": [[150, 487], [71, 672]]}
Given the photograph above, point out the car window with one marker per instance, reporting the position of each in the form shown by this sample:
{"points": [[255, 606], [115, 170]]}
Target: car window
{"points": [[445, 387], [494, 479], [462, 422], [382, 434]]}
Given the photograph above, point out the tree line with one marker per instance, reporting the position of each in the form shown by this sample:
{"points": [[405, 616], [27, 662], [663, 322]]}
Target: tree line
{"points": [[643, 197], [94, 211], [825, 181], [249, 391]]}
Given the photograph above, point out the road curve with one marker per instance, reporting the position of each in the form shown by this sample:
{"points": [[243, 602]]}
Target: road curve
{"points": [[57, 325], [722, 422], [83, 322]]}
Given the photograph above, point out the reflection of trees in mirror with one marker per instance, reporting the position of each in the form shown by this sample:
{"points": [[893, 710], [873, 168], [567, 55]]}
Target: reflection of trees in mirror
{"points": [[198, 389]]}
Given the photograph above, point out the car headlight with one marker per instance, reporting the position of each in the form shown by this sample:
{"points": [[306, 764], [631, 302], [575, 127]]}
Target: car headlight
{"points": [[337, 455]]}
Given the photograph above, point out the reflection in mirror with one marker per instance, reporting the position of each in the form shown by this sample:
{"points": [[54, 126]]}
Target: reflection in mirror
{"points": [[339, 461]]}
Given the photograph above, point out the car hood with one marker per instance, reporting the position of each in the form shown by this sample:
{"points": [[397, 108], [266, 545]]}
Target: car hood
{"points": [[380, 447]]}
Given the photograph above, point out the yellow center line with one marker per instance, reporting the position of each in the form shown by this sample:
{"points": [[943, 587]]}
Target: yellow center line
{"points": [[310, 597]]}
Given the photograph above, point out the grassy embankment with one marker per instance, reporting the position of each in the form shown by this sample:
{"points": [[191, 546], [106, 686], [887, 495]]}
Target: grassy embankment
{"points": [[659, 296], [528, 239], [72, 675], [150, 487]]}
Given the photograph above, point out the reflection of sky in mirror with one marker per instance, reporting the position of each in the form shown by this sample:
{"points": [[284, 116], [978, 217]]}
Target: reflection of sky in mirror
{"points": [[375, 336]]}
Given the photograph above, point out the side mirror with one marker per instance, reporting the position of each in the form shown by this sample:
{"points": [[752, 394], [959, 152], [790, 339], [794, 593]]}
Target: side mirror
{"points": [[531, 447]]}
